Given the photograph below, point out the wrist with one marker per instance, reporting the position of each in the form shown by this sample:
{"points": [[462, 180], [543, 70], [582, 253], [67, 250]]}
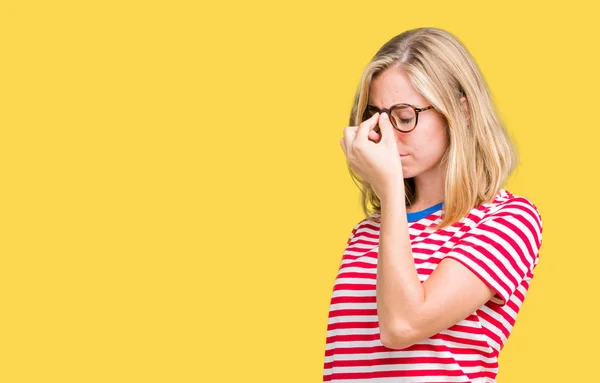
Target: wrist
{"points": [[393, 194]]}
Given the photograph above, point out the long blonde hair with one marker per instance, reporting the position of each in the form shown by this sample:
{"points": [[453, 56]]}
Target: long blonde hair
{"points": [[480, 155]]}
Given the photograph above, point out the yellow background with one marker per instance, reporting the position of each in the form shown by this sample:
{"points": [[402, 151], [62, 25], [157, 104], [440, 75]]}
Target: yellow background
{"points": [[175, 200]]}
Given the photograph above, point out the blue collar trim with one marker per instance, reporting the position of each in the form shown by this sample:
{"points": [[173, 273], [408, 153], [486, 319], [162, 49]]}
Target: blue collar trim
{"points": [[417, 215]]}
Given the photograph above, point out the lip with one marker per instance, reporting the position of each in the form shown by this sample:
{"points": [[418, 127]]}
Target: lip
{"points": [[403, 155]]}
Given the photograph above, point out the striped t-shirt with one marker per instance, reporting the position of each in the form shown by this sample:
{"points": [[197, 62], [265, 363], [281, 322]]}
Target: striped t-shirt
{"points": [[498, 241]]}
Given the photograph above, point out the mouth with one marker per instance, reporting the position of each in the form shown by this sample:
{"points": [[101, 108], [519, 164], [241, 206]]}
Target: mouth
{"points": [[403, 155]]}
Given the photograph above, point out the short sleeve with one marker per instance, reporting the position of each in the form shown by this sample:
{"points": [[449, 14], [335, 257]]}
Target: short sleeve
{"points": [[350, 239], [503, 248], [354, 229]]}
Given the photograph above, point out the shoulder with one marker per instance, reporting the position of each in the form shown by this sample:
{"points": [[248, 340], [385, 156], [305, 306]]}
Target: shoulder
{"points": [[516, 216], [365, 224], [507, 204]]}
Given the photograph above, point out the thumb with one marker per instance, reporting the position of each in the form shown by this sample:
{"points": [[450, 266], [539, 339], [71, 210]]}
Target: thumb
{"points": [[387, 130]]}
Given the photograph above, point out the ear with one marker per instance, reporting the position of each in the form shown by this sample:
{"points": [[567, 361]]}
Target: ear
{"points": [[465, 104]]}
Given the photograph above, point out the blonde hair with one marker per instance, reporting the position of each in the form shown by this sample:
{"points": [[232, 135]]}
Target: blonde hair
{"points": [[481, 154]]}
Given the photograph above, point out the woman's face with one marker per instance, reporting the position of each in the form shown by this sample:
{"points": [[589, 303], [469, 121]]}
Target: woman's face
{"points": [[421, 149]]}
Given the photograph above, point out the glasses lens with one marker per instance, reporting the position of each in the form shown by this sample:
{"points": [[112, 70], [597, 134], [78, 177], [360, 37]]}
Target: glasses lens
{"points": [[404, 117], [369, 112]]}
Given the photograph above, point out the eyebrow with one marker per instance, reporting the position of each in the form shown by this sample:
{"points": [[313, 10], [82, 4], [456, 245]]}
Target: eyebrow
{"points": [[373, 106]]}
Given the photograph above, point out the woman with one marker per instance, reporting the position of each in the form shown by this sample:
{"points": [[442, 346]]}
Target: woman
{"points": [[430, 283]]}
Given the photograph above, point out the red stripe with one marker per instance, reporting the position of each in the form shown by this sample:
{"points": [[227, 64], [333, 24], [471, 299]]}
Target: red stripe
{"points": [[407, 373], [480, 335]]}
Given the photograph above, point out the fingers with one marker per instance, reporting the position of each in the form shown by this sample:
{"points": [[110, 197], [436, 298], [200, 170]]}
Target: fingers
{"points": [[387, 130], [343, 145], [374, 135], [366, 131], [346, 141], [362, 134], [349, 136]]}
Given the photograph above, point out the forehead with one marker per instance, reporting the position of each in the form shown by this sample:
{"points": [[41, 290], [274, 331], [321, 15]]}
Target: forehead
{"points": [[391, 87]]}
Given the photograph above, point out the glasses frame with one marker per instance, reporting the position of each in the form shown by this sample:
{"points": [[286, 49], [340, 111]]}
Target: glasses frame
{"points": [[397, 106]]}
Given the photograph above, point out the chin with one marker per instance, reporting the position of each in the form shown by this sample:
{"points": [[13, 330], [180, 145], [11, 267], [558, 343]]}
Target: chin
{"points": [[407, 173]]}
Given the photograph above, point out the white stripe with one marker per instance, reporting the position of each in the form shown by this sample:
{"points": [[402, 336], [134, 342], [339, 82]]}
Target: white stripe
{"points": [[421, 244], [424, 379]]}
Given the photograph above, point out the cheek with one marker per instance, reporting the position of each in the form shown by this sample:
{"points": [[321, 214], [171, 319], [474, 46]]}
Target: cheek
{"points": [[429, 146]]}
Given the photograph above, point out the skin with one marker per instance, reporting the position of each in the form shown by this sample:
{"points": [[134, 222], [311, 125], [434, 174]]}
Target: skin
{"points": [[409, 311], [425, 145]]}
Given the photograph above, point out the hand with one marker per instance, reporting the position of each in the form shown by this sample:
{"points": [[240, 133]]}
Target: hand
{"points": [[378, 163]]}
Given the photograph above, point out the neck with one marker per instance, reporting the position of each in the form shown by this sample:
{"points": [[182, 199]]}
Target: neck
{"points": [[429, 188]]}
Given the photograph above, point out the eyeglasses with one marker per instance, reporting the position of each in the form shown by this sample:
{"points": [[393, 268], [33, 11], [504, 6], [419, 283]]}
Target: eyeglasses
{"points": [[404, 117]]}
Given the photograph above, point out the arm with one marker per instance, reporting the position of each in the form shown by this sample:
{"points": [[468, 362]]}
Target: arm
{"points": [[477, 268], [398, 288]]}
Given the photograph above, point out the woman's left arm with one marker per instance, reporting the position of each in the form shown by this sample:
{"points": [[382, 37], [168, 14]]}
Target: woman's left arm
{"points": [[410, 311], [492, 258]]}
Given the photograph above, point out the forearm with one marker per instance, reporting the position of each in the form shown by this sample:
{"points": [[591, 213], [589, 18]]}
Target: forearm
{"points": [[399, 290]]}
